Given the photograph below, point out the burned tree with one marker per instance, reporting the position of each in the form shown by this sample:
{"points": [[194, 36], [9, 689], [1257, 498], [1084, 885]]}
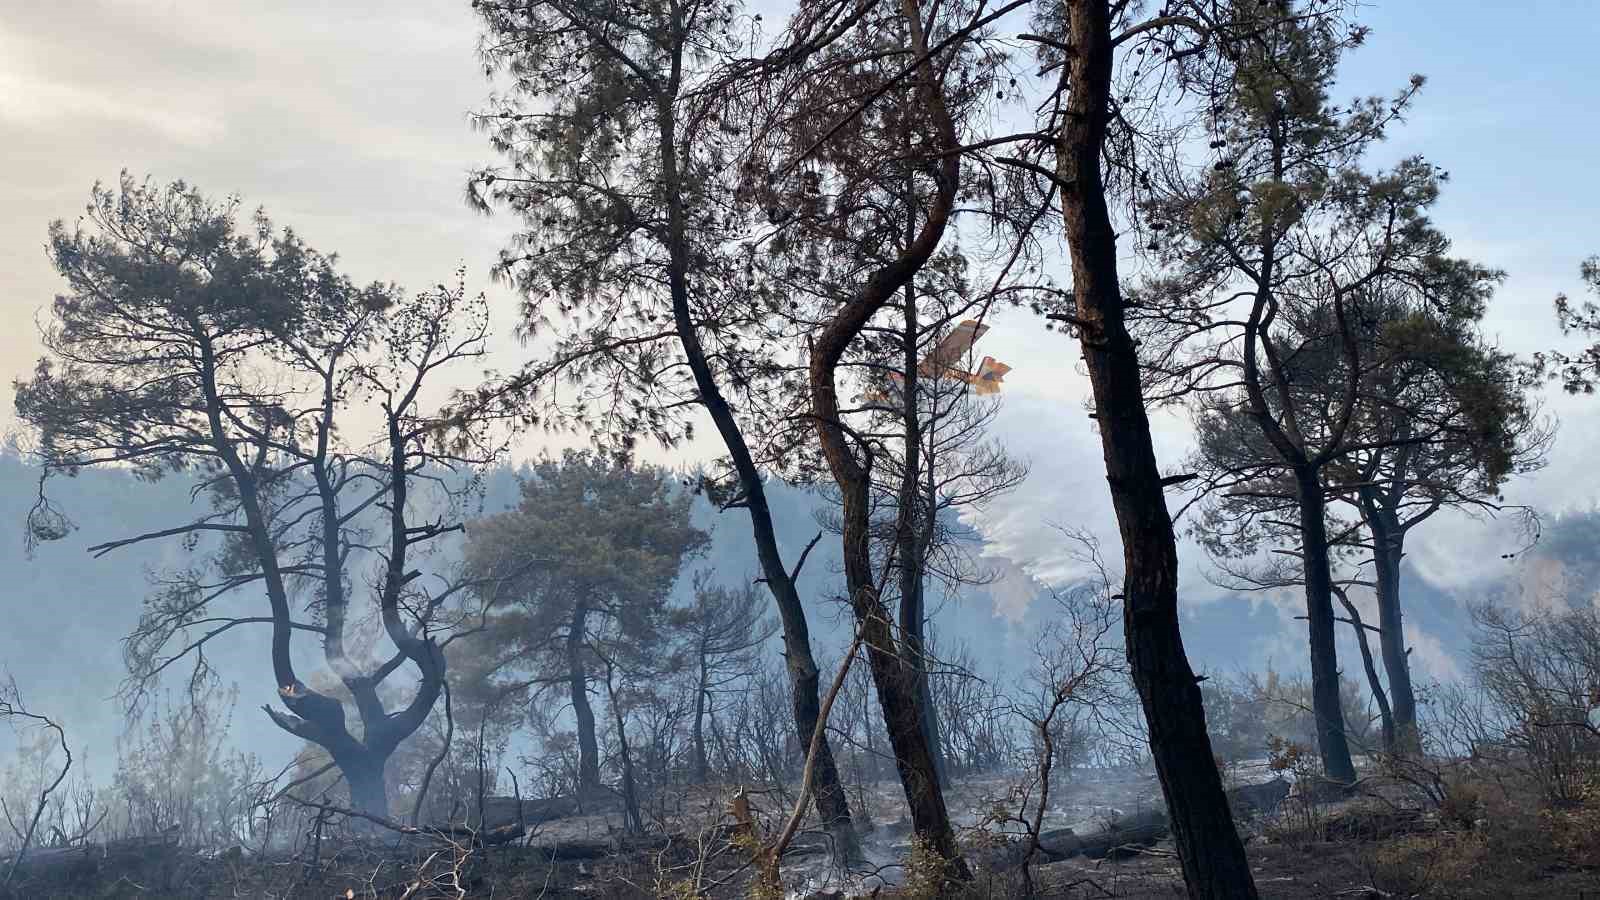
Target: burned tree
{"points": [[192, 343], [1079, 40], [14, 712], [1077, 674], [723, 631], [944, 466], [1444, 420], [634, 186], [864, 195], [1435, 426], [1449, 420], [616, 163], [1274, 256]]}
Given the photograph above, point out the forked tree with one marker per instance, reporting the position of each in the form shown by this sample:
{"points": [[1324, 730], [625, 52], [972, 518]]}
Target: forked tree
{"points": [[1444, 419], [849, 458], [191, 343]]}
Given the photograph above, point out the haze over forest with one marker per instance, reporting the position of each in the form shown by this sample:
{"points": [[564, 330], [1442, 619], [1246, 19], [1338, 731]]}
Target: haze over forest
{"points": [[357, 128], [351, 126]]}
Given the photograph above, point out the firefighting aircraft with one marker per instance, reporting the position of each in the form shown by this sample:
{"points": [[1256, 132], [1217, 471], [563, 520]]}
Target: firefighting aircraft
{"points": [[944, 361]]}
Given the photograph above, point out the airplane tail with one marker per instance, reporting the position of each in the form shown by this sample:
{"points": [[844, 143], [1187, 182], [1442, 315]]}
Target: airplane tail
{"points": [[989, 376]]}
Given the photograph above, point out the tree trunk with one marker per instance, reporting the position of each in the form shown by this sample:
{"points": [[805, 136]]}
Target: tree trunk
{"points": [[1214, 864], [833, 808], [893, 677], [1325, 703], [363, 773], [698, 737], [1379, 696], [1388, 546], [632, 816], [915, 510], [582, 711], [930, 727]]}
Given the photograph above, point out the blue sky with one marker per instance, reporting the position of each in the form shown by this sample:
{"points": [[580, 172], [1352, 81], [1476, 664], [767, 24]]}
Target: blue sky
{"points": [[348, 121]]}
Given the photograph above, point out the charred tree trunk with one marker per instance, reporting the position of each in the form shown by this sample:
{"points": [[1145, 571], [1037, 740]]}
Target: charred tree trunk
{"points": [[914, 525], [314, 716], [702, 769], [1388, 546], [1214, 864], [833, 807], [892, 673], [363, 772], [582, 711], [1379, 695], [633, 817], [1331, 741]]}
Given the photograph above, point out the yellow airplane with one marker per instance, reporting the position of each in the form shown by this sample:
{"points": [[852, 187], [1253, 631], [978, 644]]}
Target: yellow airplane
{"points": [[943, 361]]}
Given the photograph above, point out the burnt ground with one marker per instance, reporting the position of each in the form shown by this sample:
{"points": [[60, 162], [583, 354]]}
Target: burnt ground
{"points": [[1370, 846]]}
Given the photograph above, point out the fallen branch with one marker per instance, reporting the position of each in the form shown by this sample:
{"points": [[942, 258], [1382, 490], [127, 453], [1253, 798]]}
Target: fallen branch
{"points": [[771, 855]]}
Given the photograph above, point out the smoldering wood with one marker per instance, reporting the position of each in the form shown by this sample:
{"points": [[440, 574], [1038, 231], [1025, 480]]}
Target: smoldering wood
{"points": [[1146, 827], [86, 857], [501, 812]]}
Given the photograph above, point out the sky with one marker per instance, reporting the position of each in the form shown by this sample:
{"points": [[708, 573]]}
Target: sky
{"points": [[349, 122]]}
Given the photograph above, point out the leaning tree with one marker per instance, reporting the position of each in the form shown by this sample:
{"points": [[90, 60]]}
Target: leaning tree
{"points": [[191, 343], [618, 165], [875, 199]]}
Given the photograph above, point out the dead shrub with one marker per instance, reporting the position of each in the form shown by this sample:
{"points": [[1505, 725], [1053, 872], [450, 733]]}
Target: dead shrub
{"points": [[1575, 827], [1460, 803], [1445, 864]]}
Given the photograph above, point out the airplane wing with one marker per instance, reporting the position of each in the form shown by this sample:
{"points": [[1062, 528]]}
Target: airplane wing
{"points": [[956, 344]]}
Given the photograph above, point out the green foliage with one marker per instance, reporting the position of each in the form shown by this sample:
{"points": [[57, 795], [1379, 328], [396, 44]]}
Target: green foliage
{"points": [[188, 340], [927, 874], [1577, 373], [164, 285], [593, 163], [589, 530]]}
